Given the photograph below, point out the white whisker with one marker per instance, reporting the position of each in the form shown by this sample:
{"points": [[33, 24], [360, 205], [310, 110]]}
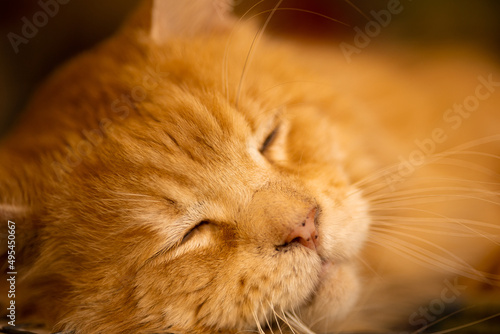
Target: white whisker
{"points": [[432, 230], [250, 53], [392, 170], [275, 316], [265, 316], [454, 329], [429, 259], [225, 59], [420, 330], [257, 322]]}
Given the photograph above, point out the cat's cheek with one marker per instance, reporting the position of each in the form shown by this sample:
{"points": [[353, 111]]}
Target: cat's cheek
{"points": [[344, 226], [335, 297]]}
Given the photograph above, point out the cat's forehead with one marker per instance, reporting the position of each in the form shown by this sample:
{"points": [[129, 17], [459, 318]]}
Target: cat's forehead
{"points": [[192, 143], [190, 86], [191, 105], [179, 120]]}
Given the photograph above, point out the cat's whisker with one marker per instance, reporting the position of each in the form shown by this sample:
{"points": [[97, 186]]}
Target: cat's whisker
{"points": [[257, 322], [251, 51], [255, 42], [479, 153], [393, 169], [432, 182], [265, 315], [315, 321], [386, 220], [441, 218], [286, 320], [409, 253], [433, 231], [275, 315], [291, 9], [455, 162], [386, 207], [278, 317], [447, 191], [437, 225], [450, 180], [225, 59], [433, 245], [358, 10], [429, 231], [368, 266], [429, 199], [472, 143], [429, 191], [429, 259], [376, 176], [446, 159], [435, 322], [454, 329], [298, 324], [434, 215], [295, 324]]}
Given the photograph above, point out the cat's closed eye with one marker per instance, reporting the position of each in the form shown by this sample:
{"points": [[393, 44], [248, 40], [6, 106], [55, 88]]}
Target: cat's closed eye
{"points": [[270, 139], [198, 228]]}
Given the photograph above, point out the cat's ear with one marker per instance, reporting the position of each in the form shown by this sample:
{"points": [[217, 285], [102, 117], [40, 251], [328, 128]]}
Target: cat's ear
{"points": [[176, 18]]}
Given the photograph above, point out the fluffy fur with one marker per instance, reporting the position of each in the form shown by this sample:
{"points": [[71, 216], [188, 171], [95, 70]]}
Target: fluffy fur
{"points": [[168, 124]]}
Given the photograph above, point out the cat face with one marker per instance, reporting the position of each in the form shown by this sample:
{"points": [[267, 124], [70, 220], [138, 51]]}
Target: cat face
{"points": [[212, 200]]}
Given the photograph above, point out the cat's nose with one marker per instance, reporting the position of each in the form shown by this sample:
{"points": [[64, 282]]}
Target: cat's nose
{"points": [[305, 232]]}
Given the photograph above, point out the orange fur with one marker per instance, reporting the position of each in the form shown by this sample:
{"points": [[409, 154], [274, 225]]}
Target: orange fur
{"points": [[130, 145]]}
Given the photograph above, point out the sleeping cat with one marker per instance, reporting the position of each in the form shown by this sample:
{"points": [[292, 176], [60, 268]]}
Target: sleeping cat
{"points": [[191, 175]]}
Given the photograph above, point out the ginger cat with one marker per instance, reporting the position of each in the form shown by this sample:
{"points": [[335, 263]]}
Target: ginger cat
{"points": [[191, 175]]}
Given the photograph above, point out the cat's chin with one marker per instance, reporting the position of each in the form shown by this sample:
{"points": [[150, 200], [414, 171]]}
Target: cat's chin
{"points": [[334, 297]]}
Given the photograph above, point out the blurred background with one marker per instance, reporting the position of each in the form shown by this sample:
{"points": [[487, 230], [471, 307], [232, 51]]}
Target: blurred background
{"points": [[66, 27]]}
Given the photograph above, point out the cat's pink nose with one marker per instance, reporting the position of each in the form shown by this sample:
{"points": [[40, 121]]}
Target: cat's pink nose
{"points": [[305, 232]]}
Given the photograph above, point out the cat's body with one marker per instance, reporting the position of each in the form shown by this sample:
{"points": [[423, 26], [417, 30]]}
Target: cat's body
{"points": [[172, 127]]}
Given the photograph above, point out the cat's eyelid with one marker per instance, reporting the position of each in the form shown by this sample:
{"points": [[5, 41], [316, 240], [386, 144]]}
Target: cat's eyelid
{"points": [[176, 236], [176, 229], [190, 232], [271, 137], [268, 132]]}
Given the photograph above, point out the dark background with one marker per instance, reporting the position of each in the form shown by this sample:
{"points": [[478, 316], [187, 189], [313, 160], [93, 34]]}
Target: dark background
{"points": [[79, 24]]}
